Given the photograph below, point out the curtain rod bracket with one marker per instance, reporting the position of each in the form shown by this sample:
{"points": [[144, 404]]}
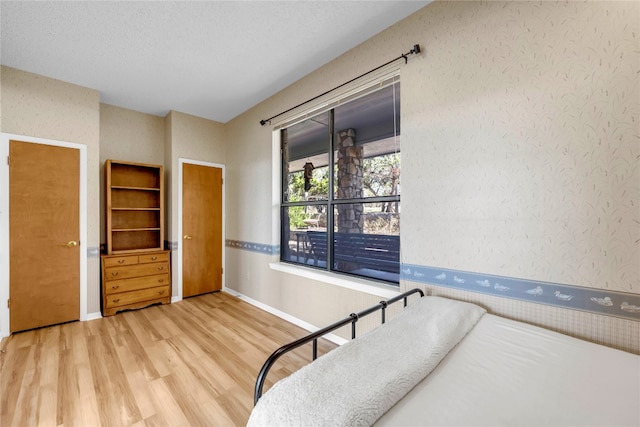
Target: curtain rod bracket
{"points": [[415, 50]]}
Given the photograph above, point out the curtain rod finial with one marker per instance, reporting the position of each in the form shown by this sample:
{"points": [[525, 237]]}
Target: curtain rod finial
{"points": [[416, 48]]}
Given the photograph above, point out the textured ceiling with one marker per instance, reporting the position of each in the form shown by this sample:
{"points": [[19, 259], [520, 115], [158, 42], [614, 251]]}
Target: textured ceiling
{"points": [[213, 59]]}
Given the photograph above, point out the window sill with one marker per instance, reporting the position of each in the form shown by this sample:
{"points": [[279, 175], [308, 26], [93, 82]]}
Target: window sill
{"points": [[353, 283]]}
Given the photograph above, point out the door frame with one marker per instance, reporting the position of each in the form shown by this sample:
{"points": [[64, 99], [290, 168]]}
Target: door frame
{"points": [[178, 281], [4, 222]]}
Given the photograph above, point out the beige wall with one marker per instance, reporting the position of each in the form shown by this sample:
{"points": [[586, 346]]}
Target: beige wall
{"points": [[128, 135], [520, 155], [519, 124], [168, 173], [38, 106], [134, 136], [190, 138], [519, 139], [1, 69]]}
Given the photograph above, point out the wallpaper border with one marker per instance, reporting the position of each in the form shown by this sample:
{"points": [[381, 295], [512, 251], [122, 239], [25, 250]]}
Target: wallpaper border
{"points": [[601, 301], [254, 247], [93, 252]]}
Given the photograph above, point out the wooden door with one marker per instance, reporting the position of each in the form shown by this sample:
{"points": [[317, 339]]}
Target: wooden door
{"points": [[44, 231], [201, 229]]}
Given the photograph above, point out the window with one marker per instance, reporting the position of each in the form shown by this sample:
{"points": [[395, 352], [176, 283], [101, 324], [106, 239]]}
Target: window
{"points": [[340, 208]]}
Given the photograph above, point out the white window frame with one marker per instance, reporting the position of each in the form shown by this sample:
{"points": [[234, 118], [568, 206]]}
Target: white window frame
{"points": [[371, 287]]}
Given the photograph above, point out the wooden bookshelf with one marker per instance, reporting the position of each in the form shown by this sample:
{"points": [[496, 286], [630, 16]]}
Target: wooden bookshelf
{"points": [[135, 207]]}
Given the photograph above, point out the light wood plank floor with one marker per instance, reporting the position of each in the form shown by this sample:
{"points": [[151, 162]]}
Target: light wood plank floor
{"points": [[192, 363]]}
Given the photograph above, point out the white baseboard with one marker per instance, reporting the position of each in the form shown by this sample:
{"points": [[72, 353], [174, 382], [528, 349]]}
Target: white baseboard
{"points": [[94, 316], [281, 314]]}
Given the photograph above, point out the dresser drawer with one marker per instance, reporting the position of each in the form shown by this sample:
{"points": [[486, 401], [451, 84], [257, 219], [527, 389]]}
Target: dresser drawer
{"points": [[124, 285], [124, 298], [139, 270], [121, 260], [135, 280], [159, 257]]}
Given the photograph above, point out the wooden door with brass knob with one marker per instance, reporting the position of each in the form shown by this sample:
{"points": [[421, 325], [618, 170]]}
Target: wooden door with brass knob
{"points": [[44, 230], [202, 229]]}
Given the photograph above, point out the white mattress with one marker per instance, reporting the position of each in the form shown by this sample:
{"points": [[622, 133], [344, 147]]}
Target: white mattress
{"points": [[514, 374]]}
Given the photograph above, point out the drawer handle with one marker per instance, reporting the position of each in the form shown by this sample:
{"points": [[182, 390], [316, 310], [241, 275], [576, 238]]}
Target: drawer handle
{"points": [[115, 273], [115, 287], [153, 258], [160, 280], [116, 300], [120, 261], [160, 268], [160, 292]]}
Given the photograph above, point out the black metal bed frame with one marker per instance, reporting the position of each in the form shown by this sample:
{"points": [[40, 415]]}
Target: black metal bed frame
{"points": [[352, 318]]}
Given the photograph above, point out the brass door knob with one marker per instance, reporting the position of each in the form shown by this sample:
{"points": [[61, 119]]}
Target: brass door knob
{"points": [[187, 237], [71, 244]]}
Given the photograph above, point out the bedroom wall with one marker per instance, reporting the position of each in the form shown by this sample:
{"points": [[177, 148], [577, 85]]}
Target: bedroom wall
{"points": [[520, 126], [529, 146], [528, 121], [193, 138], [520, 160], [139, 137], [127, 135], [38, 106]]}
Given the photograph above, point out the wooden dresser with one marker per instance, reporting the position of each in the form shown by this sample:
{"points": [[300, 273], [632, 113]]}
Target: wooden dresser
{"points": [[135, 280]]}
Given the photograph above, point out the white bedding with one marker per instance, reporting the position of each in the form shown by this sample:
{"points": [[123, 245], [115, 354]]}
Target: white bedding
{"points": [[513, 374], [500, 373], [356, 383]]}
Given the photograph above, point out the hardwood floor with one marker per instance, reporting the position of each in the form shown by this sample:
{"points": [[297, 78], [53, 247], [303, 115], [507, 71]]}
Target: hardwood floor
{"points": [[192, 363]]}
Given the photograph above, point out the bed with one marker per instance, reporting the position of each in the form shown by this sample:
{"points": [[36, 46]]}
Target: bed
{"points": [[443, 362]]}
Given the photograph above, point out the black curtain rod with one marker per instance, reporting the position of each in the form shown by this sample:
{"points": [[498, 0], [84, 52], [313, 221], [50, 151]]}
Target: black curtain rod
{"points": [[415, 50]]}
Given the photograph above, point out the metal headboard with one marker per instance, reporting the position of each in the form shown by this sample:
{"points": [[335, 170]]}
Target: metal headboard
{"points": [[352, 318]]}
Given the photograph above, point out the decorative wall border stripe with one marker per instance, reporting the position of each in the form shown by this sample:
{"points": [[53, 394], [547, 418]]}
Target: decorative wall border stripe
{"points": [[601, 301], [254, 247], [93, 252]]}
